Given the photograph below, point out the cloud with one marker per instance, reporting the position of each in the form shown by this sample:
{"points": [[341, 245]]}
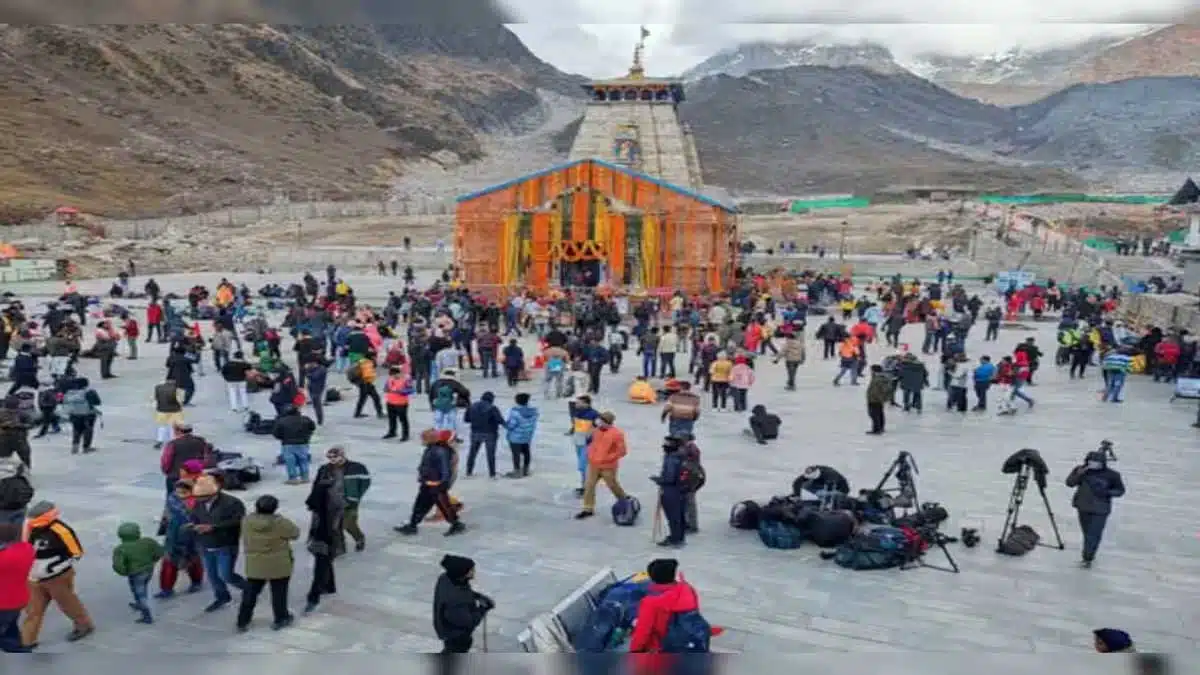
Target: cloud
{"points": [[678, 40]]}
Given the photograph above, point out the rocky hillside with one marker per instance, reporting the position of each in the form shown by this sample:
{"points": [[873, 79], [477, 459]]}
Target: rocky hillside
{"points": [[127, 120], [806, 129]]}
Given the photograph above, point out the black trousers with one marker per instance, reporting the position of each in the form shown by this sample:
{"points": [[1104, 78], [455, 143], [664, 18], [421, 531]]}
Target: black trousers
{"points": [[875, 411], [450, 663], [791, 367], [593, 370], [279, 598], [512, 375], [368, 391], [106, 361], [981, 390], [457, 645], [1079, 364], [398, 414], [49, 420], [520, 457], [720, 394], [674, 503], [911, 398], [488, 441], [82, 429], [957, 399], [323, 582], [830, 349], [428, 497]]}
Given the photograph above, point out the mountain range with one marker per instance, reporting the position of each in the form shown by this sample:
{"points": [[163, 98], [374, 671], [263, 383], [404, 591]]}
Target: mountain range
{"points": [[1013, 77], [132, 120]]}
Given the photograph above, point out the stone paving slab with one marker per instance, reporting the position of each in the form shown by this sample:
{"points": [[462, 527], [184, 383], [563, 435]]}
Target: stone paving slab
{"points": [[531, 552]]}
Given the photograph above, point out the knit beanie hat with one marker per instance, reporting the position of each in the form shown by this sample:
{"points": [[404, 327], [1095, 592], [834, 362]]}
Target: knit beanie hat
{"points": [[1114, 640], [457, 567], [662, 570]]}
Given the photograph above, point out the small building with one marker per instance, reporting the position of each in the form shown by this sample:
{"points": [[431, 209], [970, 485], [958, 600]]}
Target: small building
{"points": [[594, 223]]}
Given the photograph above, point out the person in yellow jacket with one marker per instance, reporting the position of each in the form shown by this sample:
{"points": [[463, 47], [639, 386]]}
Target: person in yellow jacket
{"points": [[847, 307], [719, 375], [362, 375], [642, 392]]}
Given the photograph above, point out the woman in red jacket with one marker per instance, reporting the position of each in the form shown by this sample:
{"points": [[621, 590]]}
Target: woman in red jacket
{"points": [[16, 561]]}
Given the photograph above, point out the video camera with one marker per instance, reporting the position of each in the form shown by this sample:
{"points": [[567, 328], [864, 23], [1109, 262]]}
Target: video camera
{"points": [[929, 517], [1027, 458], [1106, 448]]}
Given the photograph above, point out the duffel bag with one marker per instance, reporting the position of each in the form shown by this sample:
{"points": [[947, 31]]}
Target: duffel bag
{"points": [[875, 549], [625, 511], [744, 515], [1021, 540], [780, 535], [831, 529]]}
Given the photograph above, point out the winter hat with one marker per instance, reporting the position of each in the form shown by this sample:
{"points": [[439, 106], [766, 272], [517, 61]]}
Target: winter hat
{"points": [[41, 508], [457, 567], [488, 397], [1114, 640], [429, 436], [193, 467], [445, 436], [522, 399], [741, 360], [608, 417], [662, 570]]}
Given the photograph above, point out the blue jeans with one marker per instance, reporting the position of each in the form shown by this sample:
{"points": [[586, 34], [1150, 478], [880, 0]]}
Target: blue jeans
{"points": [[218, 565], [1018, 392], [1092, 525], [10, 632], [1116, 383], [446, 420], [649, 364], [581, 462], [851, 370], [296, 458], [139, 586], [680, 427]]}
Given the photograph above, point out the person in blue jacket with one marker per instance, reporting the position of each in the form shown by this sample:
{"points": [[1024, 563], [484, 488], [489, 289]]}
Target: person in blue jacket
{"points": [[672, 493], [985, 372], [485, 420], [521, 424]]}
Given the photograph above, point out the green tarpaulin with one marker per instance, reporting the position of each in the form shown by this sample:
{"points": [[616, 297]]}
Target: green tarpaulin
{"points": [[1073, 198], [801, 205]]}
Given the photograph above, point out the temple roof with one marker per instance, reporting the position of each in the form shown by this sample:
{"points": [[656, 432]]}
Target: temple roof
{"points": [[721, 201]]}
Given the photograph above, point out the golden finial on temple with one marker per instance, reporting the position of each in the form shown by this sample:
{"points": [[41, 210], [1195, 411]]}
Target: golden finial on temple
{"points": [[638, 71]]}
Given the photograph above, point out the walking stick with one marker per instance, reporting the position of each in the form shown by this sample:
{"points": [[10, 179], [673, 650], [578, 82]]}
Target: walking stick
{"points": [[656, 529], [485, 645]]}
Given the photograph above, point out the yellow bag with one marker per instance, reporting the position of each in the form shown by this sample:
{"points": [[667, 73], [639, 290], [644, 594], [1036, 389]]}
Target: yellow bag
{"points": [[1137, 365]]}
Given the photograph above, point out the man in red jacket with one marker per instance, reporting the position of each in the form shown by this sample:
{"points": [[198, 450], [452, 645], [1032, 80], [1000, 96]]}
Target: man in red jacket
{"points": [[154, 321], [667, 598], [16, 561]]}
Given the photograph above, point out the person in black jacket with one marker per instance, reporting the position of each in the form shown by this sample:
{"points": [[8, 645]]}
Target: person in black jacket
{"points": [[327, 505], [672, 495], [234, 372], [179, 370], [217, 522], [764, 426], [294, 432], [434, 475], [24, 370], [458, 609], [485, 420], [1095, 487], [16, 490], [315, 381]]}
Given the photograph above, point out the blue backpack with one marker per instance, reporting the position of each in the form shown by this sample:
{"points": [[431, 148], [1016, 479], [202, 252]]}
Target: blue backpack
{"points": [[688, 632], [625, 511]]}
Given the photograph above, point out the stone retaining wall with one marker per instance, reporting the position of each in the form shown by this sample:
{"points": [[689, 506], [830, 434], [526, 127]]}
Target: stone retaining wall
{"points": [[1177, 310]]}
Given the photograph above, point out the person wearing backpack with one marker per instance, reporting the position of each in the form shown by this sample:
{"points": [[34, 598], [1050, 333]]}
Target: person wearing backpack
{"points": [[47, 403], [365, 381], [673, 485], [434, 475], [446, 396], [668, 618], [16, 489], [81, 404]]}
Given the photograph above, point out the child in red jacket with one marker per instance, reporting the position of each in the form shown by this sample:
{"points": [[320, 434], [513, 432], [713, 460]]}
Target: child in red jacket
{"points": [[16, 561]]}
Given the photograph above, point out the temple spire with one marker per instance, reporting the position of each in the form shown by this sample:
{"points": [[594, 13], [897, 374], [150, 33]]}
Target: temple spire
{"points": [[638, 71]]}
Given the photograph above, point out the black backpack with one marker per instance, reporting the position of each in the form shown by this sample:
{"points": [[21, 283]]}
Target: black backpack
{"points": [[744, 515], [691, 473], [1021, 540], [15, 492]]}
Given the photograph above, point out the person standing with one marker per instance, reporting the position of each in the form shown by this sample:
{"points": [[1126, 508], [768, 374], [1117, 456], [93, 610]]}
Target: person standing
{"points": [[168, 410], [604, 454], [984, 373], [16, 562], [583, 422], [132, 332], [668, 345], [181, 549], [325, 540], [671, 494], [16, 489], [294, 432], [235, 372], [134, 559], [681, 410], [514, 363], [352, 480], [217, 521], [267, 540], [458, 610], [793, 356], [1096, 485], [434, 475], [648, 349], [395, 393], [315, 381], [521, 425], [81, 404], [720, 373], [362, 375], [956, 393], [485, 420], [741, 378], [879, 392], [57, 551]]}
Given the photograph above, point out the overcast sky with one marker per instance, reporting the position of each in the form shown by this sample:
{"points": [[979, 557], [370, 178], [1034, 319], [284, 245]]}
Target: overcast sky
{"points": [[597, 38]]}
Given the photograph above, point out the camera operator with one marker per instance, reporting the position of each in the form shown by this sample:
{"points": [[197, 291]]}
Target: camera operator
{"points": [[1095, 486]]}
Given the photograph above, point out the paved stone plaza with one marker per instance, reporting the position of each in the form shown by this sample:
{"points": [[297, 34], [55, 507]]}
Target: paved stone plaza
{"points": [[531, 552]]}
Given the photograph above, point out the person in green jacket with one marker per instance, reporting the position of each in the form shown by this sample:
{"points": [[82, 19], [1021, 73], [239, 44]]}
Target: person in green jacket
{"points": [[134, 558], [267, 545]]}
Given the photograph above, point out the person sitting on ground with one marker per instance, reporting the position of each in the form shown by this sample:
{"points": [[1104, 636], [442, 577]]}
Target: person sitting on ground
{"points": [[641, 391], [821, 480], [764, 426]]}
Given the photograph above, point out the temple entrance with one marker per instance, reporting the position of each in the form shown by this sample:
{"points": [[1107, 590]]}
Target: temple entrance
{"points": [[584, 273]]}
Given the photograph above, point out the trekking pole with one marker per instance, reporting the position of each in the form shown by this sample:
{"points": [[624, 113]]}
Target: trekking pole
{"points": [[656, 529], [485, 631]]}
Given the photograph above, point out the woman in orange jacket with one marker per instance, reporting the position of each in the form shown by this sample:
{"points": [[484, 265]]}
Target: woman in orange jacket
{"points": [[395, 394]]}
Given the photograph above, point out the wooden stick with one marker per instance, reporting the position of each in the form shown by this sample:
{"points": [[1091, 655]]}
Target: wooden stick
{"points": [[656, 530]]}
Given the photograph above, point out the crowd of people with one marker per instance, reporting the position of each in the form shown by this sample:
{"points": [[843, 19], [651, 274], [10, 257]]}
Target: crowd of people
{"points": [[702, 355]]}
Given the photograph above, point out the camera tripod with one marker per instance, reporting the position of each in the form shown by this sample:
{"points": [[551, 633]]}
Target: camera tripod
{"points": [[939, 540], [1014, 508], [904, 496]]}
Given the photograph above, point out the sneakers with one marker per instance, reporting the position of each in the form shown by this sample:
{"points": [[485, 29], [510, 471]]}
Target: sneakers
{"points": [[667, 543], [514, 474], [360, 546], [217, 605], [407, 530], [194, 588], [145, 619], [78, 633], [311, 606], [284, 623], [582, 515], [164, 595], [456, 528]]}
